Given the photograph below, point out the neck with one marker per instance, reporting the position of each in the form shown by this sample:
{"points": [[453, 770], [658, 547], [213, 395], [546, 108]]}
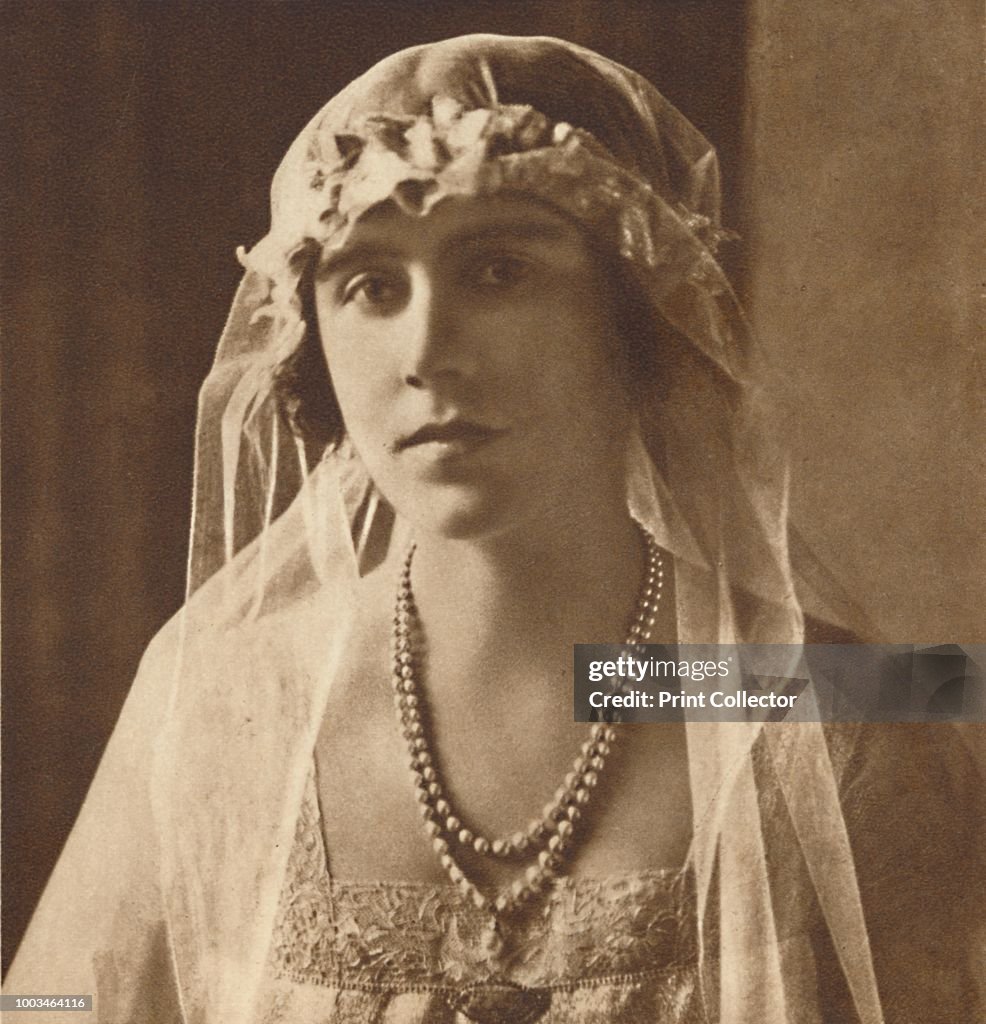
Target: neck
{"points": [[517, 601]]}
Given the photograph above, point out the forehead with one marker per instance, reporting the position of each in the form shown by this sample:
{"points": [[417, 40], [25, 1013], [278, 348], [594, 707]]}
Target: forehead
{"points": [[457, 223]]}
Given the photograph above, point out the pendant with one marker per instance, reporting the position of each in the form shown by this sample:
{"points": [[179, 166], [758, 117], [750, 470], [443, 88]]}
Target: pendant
{"points": [[491, 940], [501, 1003]]}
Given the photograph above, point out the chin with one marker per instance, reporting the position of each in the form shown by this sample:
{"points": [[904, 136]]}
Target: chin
{"points": [[461, 513]]}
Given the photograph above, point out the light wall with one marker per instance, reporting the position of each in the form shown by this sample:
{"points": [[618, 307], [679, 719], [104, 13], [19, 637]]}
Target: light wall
{"points": [[864, 217]]}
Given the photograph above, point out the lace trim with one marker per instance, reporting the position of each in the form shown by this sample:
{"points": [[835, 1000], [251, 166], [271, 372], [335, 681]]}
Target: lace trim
{"points": [[418, 161], [418, 936]]}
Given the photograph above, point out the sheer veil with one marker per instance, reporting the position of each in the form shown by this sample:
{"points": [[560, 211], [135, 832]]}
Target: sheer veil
{"points": [[482, 115], [282, 536]]}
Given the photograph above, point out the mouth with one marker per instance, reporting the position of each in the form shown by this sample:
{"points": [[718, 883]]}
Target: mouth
{"points": [[452, 438]]}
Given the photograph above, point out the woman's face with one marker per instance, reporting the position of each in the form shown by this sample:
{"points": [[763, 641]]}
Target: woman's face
{"points": [[473, 355]]}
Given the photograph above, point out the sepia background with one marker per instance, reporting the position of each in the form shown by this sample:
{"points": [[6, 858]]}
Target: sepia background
{"points": [[139, 143]]}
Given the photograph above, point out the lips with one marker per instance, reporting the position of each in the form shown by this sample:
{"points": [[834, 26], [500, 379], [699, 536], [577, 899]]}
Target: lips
{"points": [[453, 436]]}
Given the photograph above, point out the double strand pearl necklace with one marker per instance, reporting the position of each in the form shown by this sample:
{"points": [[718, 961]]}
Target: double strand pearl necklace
{"points": [[547, 838]]}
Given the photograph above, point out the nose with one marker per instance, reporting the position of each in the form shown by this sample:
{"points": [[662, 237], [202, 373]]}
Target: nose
{"points": [[435, 347]]}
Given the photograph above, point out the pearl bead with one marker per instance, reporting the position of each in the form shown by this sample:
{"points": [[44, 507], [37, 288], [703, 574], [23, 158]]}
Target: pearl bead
{"points": [[558, 819]]}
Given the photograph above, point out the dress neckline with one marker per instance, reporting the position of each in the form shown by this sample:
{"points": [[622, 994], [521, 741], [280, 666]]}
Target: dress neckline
{"points": [[424, 936], [311, 812]]}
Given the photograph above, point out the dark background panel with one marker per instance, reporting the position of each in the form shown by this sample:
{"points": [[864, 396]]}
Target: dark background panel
{"points": [[140, 139]]}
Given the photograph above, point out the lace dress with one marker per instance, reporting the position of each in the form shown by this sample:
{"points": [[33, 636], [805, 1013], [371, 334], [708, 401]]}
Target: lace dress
{"points": [[612, 949]]}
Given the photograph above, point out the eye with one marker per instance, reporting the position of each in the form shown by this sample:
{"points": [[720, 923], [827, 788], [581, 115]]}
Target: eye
{"points": [[374, 291], [501, 271]]}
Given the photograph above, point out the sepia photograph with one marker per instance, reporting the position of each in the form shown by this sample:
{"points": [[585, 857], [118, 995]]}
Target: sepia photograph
{"points": [[361, 360]]}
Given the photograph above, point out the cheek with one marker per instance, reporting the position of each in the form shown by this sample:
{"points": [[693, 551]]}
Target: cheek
{"points": [[595, 385], [580, 354], [359, 358], [361, 378], [347, 379]]}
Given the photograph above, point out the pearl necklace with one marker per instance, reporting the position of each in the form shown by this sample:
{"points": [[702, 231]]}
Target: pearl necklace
{"points": [[549, 837]]}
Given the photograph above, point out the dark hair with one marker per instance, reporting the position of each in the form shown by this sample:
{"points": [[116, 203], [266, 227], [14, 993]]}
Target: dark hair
{"points": [[308, 402], [302, 384]]}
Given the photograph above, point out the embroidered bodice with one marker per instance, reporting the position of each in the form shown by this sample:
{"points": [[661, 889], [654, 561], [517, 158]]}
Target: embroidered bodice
{"points": [[619, 948]]}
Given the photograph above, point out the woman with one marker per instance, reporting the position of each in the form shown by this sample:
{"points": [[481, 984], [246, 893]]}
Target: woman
{"points": [[484, 393]]}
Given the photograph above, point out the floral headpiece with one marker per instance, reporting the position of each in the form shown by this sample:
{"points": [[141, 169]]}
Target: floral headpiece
{"points": [[418, 161]]}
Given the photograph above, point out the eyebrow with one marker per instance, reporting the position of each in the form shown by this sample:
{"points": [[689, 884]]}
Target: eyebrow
{"points": [[505, 231], [337, 262]]}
